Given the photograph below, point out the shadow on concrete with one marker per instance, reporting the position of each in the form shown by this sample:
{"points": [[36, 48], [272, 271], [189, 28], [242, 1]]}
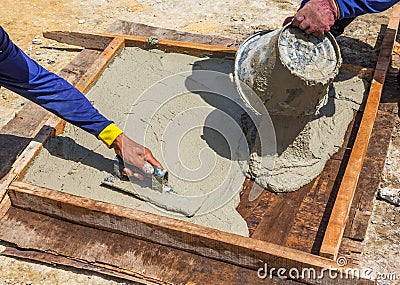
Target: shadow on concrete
{"points": [[66, 148], [286, 128], [357, 52], [11, 147]]}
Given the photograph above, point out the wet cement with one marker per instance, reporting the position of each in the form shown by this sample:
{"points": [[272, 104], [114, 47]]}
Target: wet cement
{"points": [[289, 70], [305, 143], [292, 73], [77, 162]]}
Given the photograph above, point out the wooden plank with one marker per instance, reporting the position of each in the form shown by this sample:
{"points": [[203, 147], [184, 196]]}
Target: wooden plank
{"points": [[277, 220], [31, 151], [89, 42], [69, 263], [138, 29], [74, 71], [303, 226], [310, 219], [304, 229], [23, 124], [253, 212], [264, 209], [143, 260], [351, 133], [207, 242], [5, 205], [351, 250], [265, 201], [357, 224], [22, 162], [340, 211], [140, 35], [390, 94], [370, 176], [94, 71], [195, 49], [246, 207], [298, 223], [258, 214]]}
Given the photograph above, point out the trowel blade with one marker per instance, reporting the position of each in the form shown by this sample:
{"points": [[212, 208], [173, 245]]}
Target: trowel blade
{"points": [[169, 201]]}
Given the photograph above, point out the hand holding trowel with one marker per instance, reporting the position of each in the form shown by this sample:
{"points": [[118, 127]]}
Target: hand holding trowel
{"points": [[138, 159], [163, 195], [158, 175]]}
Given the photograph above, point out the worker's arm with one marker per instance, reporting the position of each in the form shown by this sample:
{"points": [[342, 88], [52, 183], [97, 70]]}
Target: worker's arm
{"points": [[24, 76], [354, 8], [318, 16]]}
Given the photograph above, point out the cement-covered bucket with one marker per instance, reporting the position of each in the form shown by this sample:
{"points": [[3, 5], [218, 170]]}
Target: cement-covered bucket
{"points": [[288, 69]]}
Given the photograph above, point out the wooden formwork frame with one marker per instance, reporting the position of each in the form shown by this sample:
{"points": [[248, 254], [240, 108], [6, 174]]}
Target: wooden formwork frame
{"points": [[212, 245], [337, 222]]}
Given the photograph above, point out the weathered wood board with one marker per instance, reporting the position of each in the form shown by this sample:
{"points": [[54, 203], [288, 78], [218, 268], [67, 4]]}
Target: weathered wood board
{"points": [[214, 257], [101, 233], [344, 199]]}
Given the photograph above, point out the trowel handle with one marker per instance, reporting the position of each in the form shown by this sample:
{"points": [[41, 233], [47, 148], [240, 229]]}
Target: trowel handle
{"points": [[119, 165], [159, 172]]}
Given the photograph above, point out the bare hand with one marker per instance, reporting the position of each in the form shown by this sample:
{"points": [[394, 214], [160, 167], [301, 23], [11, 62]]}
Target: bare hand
{"points": [[316, 16], [134, 154], [287, 21]]}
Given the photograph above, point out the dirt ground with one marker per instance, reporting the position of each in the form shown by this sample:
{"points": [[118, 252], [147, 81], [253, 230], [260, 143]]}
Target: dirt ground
{"points": [[26, 20]]}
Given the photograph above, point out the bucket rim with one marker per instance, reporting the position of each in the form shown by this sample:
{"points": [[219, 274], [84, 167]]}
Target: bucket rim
{"points": [[239, 54], [335, 46], [243, 49]]}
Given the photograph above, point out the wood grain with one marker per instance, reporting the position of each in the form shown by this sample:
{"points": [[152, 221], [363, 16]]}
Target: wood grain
{"points": [[341, 209], [17, 133], [195, 49], [298, 220], [118, 253], [5, 205], [241, 251], [94, 71], [70, 264], [139, 29], [370, 176]]}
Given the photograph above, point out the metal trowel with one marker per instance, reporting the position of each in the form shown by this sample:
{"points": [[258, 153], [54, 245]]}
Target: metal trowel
{"points": [[159, 176], [162, 196]]}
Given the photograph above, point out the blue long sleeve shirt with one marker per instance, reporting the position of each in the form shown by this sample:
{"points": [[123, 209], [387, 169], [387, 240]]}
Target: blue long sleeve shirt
{"points": [[354, 8], [24, 76]]}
